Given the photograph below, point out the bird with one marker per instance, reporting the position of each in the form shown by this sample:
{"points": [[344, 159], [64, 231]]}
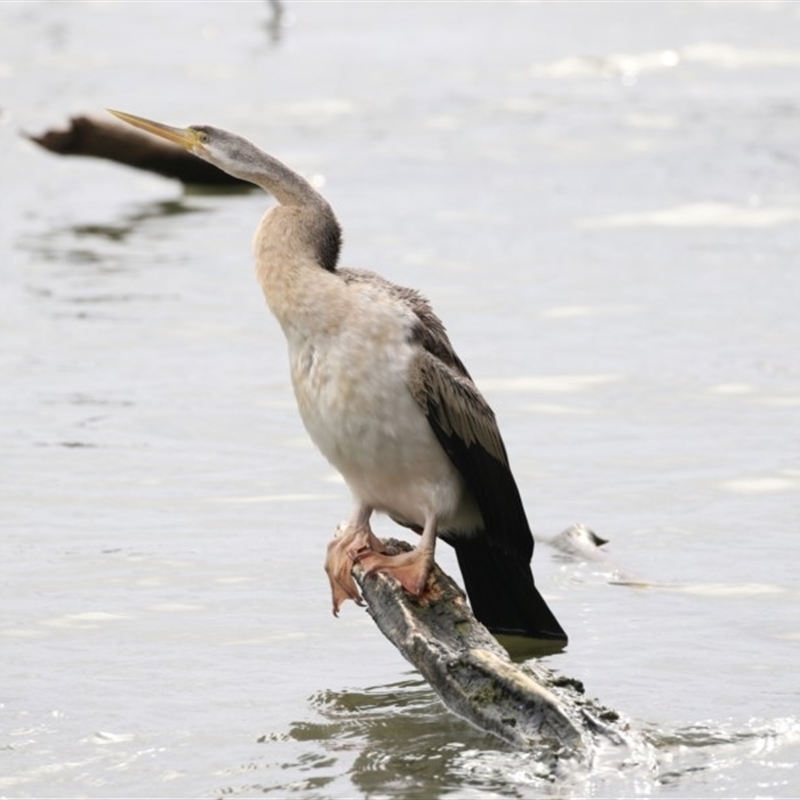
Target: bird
{"points": [[387, 401]]}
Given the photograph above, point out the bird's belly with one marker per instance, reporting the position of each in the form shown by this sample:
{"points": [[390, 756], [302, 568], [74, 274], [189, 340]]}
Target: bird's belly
{"points": [[363, 418]]}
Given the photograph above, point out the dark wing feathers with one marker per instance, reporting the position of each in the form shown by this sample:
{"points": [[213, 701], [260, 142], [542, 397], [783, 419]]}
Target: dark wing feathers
{"points": [[466, 428], [456, 407]]}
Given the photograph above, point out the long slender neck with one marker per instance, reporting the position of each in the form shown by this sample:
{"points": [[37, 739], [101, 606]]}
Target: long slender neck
{"points": [[283, 183], [241, 158]]}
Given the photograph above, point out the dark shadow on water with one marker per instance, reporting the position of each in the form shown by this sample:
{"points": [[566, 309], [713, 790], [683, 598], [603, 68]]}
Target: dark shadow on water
{"points": [[521, 648]]}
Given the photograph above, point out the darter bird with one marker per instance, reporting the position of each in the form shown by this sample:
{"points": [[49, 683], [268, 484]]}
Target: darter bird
{"points": [[387, 401]]}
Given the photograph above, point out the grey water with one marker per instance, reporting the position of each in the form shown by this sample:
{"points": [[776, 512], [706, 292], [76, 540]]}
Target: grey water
{"points": [[602, 200]]}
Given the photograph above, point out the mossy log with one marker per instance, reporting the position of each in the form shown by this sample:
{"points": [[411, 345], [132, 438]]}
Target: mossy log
{"points": [[526, 706], [86, 136]]}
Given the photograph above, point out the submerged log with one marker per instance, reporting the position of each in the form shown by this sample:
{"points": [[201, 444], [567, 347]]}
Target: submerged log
{"points": [[86, 136], [525, 706]]}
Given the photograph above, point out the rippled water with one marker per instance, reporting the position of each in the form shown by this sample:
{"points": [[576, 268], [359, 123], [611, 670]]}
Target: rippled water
{"points": [[602, 202]]}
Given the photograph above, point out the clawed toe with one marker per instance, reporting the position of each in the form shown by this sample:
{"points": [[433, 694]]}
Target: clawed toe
{"points": [[355, 555], [348, 546], [344, 590], [338, 565]]}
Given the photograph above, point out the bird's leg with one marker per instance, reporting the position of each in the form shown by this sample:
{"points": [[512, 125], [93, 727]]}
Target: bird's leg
{"points": [[410, 569], [348, 542]]}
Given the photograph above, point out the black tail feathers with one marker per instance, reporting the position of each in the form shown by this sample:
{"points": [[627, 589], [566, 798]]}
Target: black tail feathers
{"points": [[502, 593]]}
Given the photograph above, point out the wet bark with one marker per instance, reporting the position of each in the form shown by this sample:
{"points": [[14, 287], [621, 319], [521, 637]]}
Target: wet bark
{"points": [[473, 675]]}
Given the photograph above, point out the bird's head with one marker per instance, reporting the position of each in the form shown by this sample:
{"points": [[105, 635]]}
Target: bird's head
{"points": [[196, 139], [231, 153]]}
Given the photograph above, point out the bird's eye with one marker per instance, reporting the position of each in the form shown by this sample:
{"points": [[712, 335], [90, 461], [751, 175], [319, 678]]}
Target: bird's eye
{"points": [[203, 137]]}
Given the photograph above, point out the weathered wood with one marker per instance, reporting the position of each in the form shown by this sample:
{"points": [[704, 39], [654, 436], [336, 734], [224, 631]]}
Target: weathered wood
{"points": [[475, 677], [86, 136]]}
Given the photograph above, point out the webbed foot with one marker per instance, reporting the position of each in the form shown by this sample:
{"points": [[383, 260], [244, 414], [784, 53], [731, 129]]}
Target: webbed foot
{"points": [[411, 569], [349, 544]]}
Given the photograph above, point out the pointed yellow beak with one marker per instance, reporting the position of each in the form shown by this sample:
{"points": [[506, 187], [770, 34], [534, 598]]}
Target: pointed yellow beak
{"points": [[185, 137]]}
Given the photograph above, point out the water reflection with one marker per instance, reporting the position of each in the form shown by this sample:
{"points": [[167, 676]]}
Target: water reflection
{"points": [[130, 222], [407, 744], [93, 267], [399, 741], [276, 23], [59, 243]]}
